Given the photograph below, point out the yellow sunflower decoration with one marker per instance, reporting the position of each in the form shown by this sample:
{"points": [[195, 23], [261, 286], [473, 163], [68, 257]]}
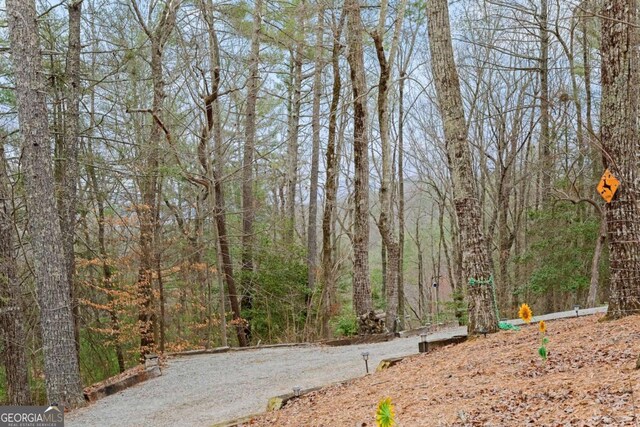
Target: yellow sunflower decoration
{"points": [[542, 351], [543, 327], [385, 415], [525, 313]]}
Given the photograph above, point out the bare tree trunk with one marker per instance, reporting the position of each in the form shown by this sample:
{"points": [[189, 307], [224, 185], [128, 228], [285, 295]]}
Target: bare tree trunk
{"points": [[505, 236], [575, 89], [149, 183], [248, 210], [157, 261], [294, 126], [69, 167], [546, 160], [595, 264], [389, 243], [422, 307], [595, 154], [362, 302], [475, 259], [312, 231], [14, 339], [385, 223], [329, 297], [215, 172], [62, 373], [383, 261], [621, 151], [291, 169], [401, 221]]}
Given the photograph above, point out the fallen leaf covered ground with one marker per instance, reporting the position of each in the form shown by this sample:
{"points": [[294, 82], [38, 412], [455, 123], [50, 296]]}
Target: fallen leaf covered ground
{"points": [[589, 379]]}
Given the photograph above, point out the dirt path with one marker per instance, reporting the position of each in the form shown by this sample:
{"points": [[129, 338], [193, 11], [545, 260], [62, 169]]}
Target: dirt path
{"points": [[207, 389]]}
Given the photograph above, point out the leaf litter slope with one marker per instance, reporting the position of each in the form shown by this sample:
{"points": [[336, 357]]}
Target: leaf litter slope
{"points": [[588, 380]]}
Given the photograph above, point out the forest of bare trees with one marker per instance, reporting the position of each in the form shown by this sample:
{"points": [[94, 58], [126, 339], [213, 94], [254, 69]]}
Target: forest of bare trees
{"points": [[182, 174]]}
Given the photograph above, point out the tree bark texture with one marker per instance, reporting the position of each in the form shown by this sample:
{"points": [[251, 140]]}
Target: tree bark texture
{"points": [[385, 223], [213, 129], [312, 231], [69, 167], [14, 339], [248, 208], [329, 291], [621, 152], [295, 98], [595, 263], [546, 159], [401, 216], [62, 374], [475, 259], [362, 302]]}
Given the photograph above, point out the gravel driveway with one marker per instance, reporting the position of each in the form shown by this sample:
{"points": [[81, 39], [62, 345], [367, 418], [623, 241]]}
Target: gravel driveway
{"points": [[207, 389]]}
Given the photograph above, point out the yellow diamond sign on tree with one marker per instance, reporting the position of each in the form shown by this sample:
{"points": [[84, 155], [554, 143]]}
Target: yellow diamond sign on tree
{"points": [[608, 185]]}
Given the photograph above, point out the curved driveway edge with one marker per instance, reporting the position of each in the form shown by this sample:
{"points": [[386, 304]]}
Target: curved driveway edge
{"points": [[207, 389]]}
